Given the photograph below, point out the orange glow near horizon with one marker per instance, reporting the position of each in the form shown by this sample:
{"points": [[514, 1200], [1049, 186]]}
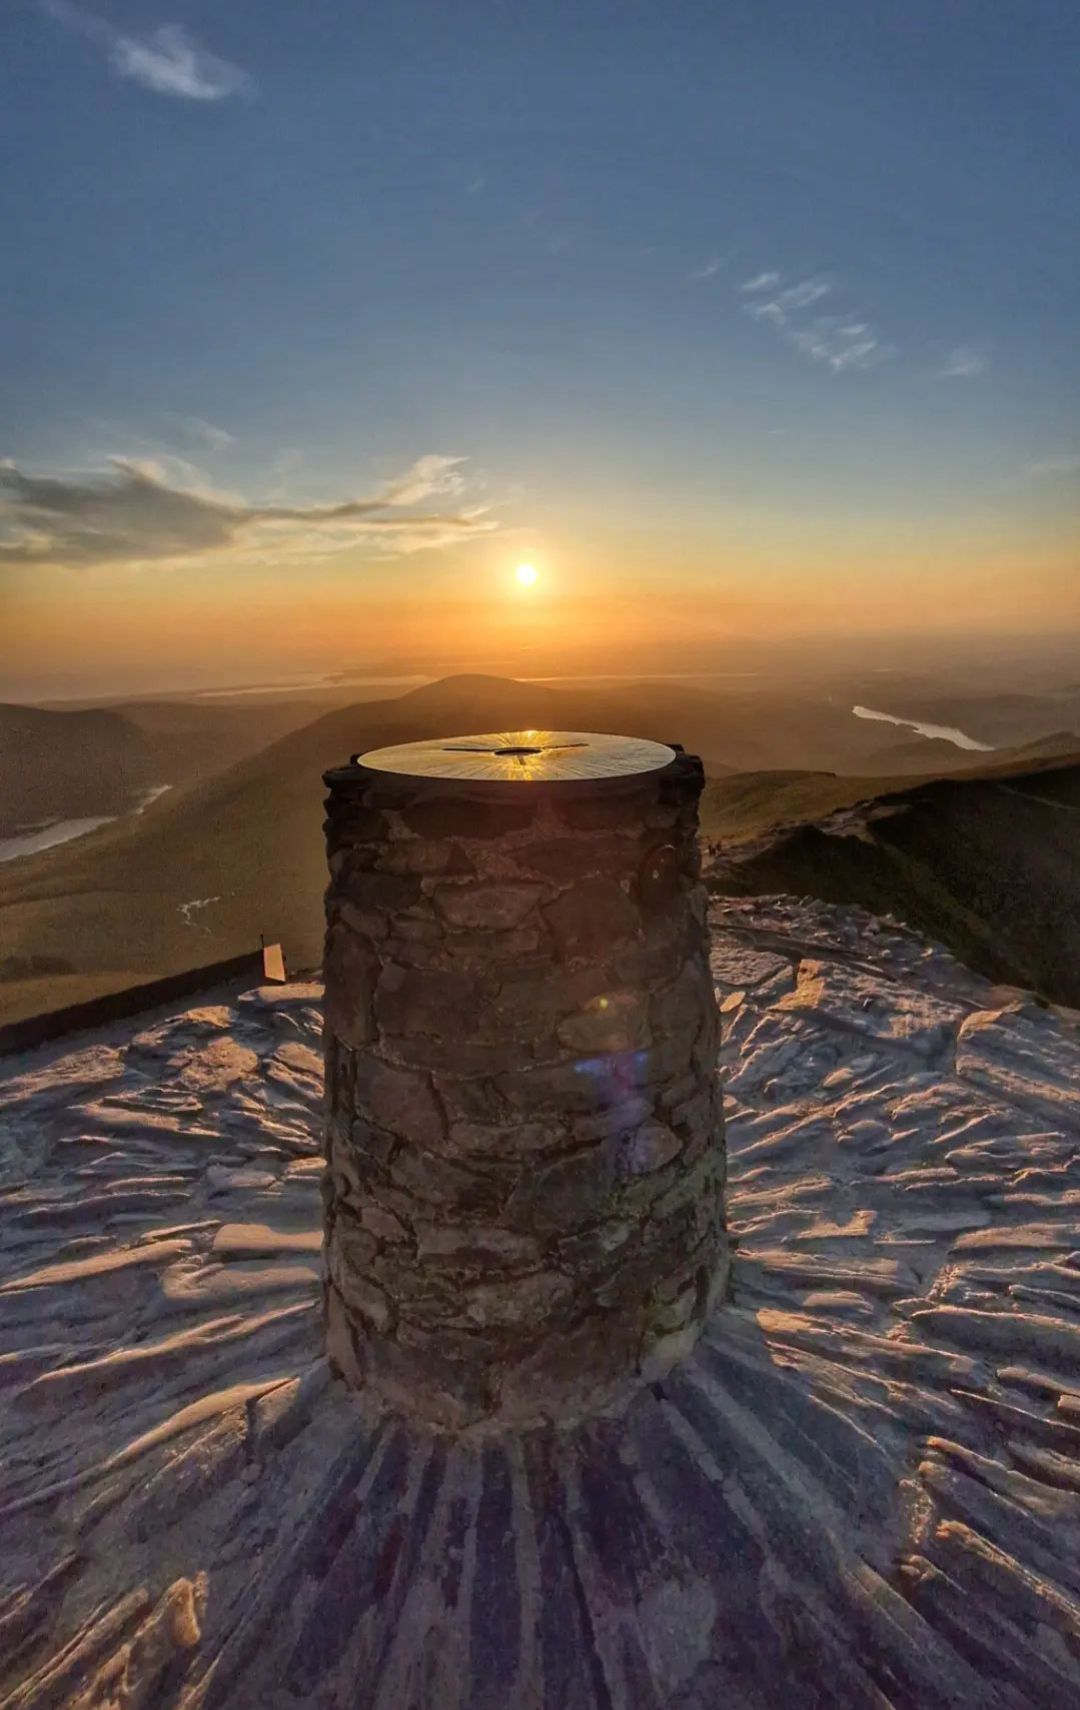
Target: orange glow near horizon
{"points": [[96, 631]]}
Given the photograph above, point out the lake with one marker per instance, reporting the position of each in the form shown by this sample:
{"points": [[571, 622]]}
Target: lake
{"points": [[35, 838], [936, 732]]}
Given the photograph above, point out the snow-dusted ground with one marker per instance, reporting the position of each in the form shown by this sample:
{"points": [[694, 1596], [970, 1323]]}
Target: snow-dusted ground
{"points": [[862, 1490]]}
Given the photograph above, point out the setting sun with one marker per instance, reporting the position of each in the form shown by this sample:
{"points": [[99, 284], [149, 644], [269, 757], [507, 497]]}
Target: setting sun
{"points": [[526, 574]]}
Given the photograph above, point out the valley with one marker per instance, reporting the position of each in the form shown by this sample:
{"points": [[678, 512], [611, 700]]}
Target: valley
{"points": [[234, 848]]}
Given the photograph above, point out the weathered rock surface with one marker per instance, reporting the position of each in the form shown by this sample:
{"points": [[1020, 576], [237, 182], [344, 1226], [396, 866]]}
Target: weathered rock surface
{"points": [[862, 1487]]}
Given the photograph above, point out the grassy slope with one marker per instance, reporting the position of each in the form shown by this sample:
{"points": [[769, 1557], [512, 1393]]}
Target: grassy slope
{"points": [[989, 863], [745, 805], [748, 804]]}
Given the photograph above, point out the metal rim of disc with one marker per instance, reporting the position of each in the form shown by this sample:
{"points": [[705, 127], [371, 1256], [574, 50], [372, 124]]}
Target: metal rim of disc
{"points": [[521, 757]]}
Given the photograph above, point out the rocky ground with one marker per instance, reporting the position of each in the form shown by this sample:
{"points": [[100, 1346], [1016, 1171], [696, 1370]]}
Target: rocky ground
{"points": [[862, 1490]]}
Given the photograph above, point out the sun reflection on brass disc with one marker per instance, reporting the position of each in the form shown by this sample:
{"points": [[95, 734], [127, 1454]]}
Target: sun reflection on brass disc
{"points": [[521, 756]]}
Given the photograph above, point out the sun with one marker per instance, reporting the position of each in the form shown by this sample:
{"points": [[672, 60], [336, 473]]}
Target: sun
{"points": [[527, 574]]}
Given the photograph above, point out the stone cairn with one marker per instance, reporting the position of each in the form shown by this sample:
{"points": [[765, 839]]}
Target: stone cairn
{"points": [[525, 1159]]}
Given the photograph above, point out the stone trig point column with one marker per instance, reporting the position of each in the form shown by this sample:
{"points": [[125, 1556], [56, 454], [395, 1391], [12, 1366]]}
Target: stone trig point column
{"points": [[525, 1159]]}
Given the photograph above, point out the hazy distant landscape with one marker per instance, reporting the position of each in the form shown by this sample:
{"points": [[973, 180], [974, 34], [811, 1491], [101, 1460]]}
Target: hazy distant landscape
{"points": [[973, 844]]}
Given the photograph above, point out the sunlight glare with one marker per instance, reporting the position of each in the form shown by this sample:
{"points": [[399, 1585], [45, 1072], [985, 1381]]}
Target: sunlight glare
{"points": [[526, 574]]}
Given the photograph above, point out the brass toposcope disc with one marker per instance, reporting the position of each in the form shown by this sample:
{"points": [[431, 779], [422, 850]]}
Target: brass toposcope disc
{"points": [[521, 757]]}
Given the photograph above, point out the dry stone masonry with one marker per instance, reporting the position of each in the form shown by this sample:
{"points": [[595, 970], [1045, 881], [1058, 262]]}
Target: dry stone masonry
{"points": [[525, 1162]]}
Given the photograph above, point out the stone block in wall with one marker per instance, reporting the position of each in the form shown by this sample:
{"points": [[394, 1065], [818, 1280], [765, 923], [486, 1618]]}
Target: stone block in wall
{"points": [[591, 918]]}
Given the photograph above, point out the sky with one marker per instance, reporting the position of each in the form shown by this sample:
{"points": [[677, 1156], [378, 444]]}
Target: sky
{"points": [[737, 322]]}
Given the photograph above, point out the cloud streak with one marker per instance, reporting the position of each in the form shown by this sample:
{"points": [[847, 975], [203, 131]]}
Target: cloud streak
{"points": [[708, 269], [134, 514], [841, 342], [963, 363], [205, 433], [166, 60], [1062, 463], [762, 282]]}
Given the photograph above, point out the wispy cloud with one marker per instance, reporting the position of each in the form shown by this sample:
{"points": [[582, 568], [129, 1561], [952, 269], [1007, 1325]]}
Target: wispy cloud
{"points": [[841, 341], [170, 63], [802, 295], [1061, 463], [202, 432], [166, 60], [140, 513], [762, 282], [709, 269], [429, 476], [963, 363], [842, 344]]}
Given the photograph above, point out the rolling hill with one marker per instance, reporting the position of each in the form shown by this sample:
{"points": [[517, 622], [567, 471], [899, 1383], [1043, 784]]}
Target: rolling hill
{"points": [[67, 764]]}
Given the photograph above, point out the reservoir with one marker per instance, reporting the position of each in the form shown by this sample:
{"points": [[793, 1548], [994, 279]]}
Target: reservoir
{"points": [[35, 838], [937, 732]]}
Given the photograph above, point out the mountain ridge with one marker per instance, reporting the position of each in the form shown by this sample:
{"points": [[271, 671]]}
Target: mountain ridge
{"points": [[984, 861]]}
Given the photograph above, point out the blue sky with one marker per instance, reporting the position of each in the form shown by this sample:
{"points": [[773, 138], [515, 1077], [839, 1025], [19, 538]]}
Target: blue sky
{"points": [[680, 278]]}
